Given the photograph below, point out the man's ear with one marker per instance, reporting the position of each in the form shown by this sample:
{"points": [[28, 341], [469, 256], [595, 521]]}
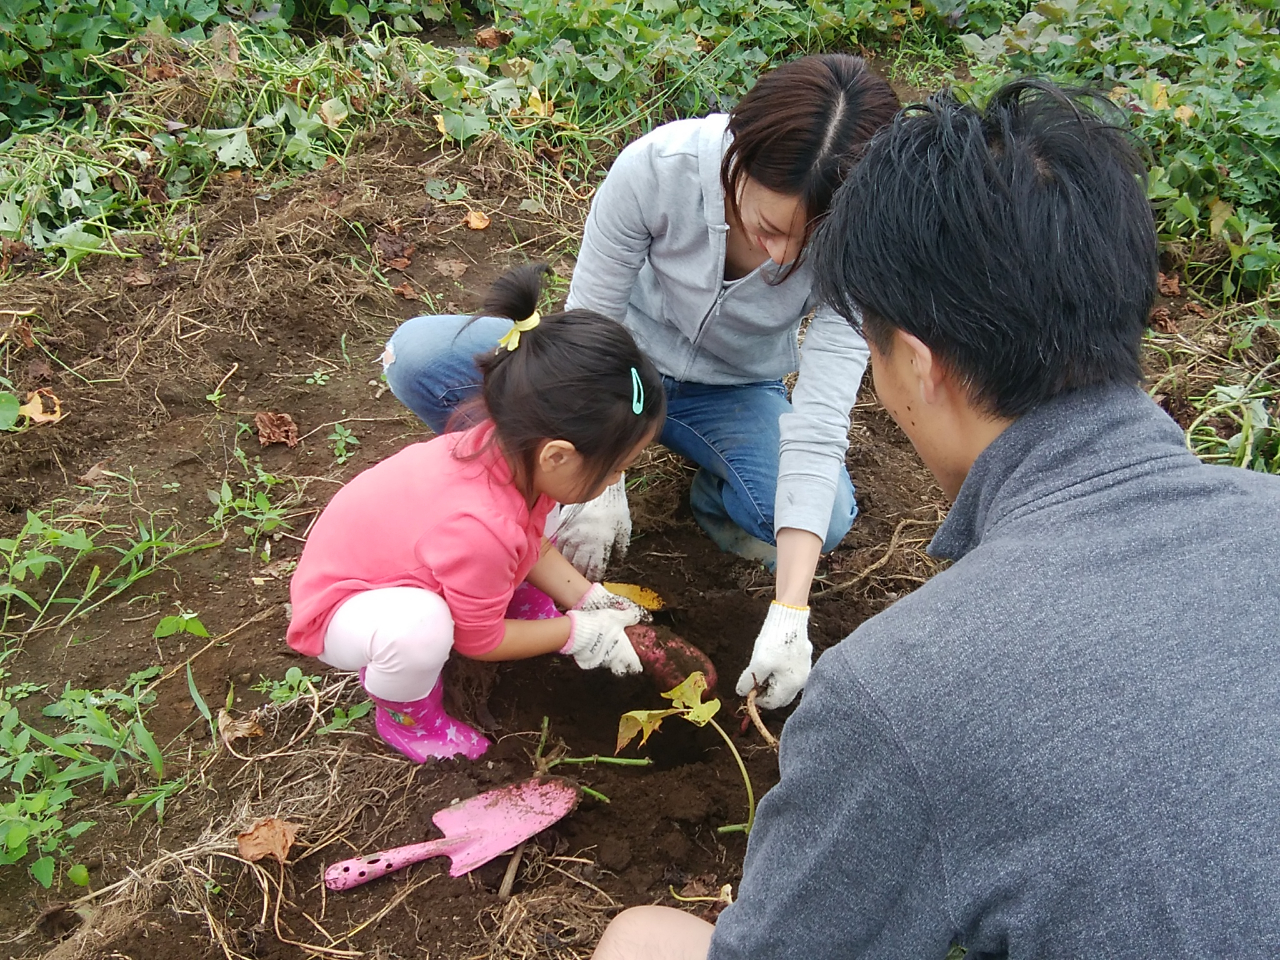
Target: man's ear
{"points": [[928, 372], [556, 454]]}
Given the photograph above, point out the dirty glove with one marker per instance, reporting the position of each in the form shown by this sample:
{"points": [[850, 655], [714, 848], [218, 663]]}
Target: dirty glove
{"points": [[591, 532], [599, 639], [782, 657], [598, 598]]}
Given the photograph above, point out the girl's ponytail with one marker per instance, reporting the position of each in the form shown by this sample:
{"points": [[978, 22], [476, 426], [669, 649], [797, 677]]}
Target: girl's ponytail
{"points": [[514, 295], [575, 376]]}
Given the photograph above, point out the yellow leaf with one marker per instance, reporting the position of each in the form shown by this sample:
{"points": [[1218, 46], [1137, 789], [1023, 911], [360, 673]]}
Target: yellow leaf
{"points": [[476, 220], [636, 594], [333, 112], [1160, 96], [33, 409], [689, 693], [1219, 212], [440, 124], [537, 106], [642, 722], [1183, 114]]}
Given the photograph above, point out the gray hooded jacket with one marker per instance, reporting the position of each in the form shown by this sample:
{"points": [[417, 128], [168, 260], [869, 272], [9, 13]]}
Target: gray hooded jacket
{"points": [[653, 257], [1067, 745]]}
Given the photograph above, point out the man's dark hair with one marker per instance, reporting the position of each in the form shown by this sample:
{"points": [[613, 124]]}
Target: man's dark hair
{"points": [[576, 376], [1015, 241]]}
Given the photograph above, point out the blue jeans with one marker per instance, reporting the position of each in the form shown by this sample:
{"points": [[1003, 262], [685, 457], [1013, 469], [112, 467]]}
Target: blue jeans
{"points": [[731, 432]]}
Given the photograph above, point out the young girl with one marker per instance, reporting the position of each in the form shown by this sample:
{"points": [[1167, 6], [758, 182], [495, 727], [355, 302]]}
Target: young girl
{"points": [[423, 553]]}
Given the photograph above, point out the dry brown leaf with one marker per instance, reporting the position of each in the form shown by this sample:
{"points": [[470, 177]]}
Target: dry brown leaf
{"points": [[268, 837], [453, 269], [399, 263], [490, 38], [276, 428], [477, 220], [232, 728], [1161, 321], [1168, 285], [96, 473], [406, 290], [34, 407]]}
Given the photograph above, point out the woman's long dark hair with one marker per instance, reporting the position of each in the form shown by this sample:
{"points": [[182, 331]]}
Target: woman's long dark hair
{"points": [[801, 128], [576, 376]]}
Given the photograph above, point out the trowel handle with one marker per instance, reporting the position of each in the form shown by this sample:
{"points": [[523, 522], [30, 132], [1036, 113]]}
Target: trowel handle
{"points": [[351, 873]]}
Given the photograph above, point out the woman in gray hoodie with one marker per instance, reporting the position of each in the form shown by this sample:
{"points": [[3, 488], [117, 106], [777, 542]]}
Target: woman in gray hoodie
{"points": [[695, 242]]}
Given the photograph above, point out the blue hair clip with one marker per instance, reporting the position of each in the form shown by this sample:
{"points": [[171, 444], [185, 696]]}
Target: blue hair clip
{"points": [[637, 393]]}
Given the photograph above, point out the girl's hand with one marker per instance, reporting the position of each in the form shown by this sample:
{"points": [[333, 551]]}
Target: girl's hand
{"points": [[598, 638], [598, 598]]}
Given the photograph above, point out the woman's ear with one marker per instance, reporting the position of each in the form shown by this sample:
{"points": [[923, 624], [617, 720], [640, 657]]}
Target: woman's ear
{"points": [[556, 455]]}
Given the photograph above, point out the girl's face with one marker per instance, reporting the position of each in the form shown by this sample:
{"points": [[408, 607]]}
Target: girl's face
{"points": [[561, 472], [774, 222]]}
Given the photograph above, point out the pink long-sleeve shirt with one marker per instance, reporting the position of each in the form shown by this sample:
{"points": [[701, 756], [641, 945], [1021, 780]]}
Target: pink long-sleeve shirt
{"points": [[423, 518]]}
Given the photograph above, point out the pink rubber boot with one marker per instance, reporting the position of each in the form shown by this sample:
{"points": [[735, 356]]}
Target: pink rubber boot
{"points": [[530, 603], [421, 730]]}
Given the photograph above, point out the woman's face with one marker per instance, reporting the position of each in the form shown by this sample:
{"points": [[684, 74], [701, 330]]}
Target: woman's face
{"points": [[774, 222]]}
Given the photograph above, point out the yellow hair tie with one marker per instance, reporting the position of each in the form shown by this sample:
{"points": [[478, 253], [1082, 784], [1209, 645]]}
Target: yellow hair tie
{"points": [[511, 339]]}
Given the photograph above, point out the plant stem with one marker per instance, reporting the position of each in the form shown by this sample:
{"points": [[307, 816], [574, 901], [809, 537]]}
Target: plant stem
{"points": [[751, 795], [594, 793], [617, 761]]}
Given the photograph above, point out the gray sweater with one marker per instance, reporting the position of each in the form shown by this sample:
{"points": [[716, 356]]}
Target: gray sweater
{"points": [[653, 255], [1065, 745]]}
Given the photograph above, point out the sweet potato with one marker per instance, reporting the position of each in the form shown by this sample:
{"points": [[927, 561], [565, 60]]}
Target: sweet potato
{"points": [[668, 659]]}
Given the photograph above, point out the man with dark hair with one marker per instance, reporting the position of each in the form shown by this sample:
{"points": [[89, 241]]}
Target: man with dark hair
{"points": [[1068, 743]]}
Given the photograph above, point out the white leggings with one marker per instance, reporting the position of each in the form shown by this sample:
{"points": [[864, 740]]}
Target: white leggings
{"points": [[400, 637]]}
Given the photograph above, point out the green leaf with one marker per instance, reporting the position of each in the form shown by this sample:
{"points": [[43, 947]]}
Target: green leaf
{"points": [[8, 411], [42, 870], [148, 744], [79, 875], [167, 627], [196, 698]]}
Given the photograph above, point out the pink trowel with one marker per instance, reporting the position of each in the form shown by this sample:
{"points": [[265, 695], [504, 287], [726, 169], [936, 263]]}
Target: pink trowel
{"points": [[475, 831]]}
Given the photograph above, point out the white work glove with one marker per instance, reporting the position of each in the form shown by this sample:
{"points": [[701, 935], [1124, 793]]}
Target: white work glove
{"points": [[598, 598], [782, 657], [599, 639], [591, 532]]}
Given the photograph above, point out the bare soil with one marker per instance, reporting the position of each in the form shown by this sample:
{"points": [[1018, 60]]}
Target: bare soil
{"points": [[285, 285]]}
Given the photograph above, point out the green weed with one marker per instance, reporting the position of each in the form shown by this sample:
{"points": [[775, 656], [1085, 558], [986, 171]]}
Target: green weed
{"points": [[105, 735], [344, 718], [343, 440], [295, 684], [59, 568]]}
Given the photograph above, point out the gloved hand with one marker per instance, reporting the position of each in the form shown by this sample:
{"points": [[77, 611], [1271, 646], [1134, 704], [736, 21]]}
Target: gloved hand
{"points": [[599, 639], [782, 657], [598, 598], [591, 532]]}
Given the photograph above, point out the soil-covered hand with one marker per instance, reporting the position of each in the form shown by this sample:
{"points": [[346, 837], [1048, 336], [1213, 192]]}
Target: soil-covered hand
{"points": [[782, 657], [599, 598], [591, 533], [599, 639]]}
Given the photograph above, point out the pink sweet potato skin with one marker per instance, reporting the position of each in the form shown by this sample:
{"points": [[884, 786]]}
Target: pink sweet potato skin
{"points": [[668, 659]]}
